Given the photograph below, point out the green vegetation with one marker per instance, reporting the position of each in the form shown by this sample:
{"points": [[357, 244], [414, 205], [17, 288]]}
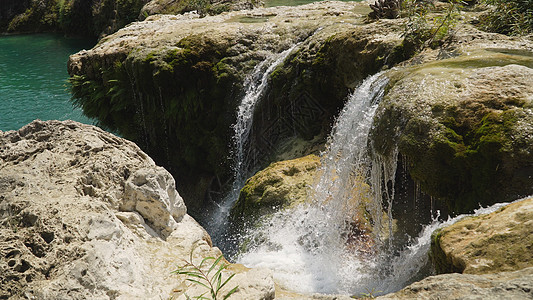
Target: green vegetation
{"points": [[466, 155], [78, 17], [423, 29], [514, 17], [213, 282]]}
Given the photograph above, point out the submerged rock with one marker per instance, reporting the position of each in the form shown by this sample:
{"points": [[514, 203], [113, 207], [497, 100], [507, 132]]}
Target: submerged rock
{"points": [[85, 214], [497, 242]]}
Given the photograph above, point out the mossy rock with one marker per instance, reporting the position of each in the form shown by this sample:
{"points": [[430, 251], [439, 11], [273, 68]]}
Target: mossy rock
{"points": [[463, 126], [310, 88], [498, 242], [286, 184], [280, 185]]}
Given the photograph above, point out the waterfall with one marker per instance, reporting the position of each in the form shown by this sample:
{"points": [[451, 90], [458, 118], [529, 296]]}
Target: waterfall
{"points": [[325, 246], [255, 84], [314, 247]]}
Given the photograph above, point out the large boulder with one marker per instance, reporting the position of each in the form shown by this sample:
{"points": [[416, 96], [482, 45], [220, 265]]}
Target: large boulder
{"points": [[281, 185], [463, 125], [172, 83], [491, 256], [497, 242], [87, 215]]}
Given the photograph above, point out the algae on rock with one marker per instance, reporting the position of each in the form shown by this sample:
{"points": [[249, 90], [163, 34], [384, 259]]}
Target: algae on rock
{"points": [[281, 185], [464, 127]]}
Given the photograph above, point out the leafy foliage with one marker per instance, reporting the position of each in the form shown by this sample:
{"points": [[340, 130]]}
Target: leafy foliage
{"points": [[210, 279], [421, 29], [514, 17]]}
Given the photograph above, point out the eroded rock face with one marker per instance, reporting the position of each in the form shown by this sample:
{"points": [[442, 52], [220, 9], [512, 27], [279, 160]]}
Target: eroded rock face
{"points": [[497, 242], [85, 215]]}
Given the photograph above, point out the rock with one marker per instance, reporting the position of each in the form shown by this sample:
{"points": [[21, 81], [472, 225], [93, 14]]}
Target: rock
{"points": [[497, 242], [179, 79], [173, 7], [281, 185], [87, 215], [285, 185], [463, 125], [503, 285]]}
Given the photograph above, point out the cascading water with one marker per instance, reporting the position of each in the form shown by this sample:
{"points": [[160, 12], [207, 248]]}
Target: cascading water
{"points": [[337, 243], [255, 84], [314, 247]]}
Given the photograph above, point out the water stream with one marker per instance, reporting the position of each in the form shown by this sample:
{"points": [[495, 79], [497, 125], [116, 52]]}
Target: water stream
{"points": [[324, 246], [242, 166]]}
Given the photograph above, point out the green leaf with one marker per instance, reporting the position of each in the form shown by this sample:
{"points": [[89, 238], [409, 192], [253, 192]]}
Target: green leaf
{"points": [[226, 281], [230, 292], [214, 264], [194, 274], [204, 260], [219, 271], [198, 282]]}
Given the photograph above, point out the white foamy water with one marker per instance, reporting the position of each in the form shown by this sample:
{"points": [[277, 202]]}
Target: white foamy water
{"points": [[303, 259]]}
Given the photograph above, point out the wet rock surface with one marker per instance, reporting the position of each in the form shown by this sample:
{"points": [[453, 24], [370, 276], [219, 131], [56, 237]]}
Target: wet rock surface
{"points": [[464, 126], [504, 285]]}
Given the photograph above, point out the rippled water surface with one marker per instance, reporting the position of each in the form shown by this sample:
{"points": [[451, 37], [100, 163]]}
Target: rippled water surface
{"points": [[33, 74]]}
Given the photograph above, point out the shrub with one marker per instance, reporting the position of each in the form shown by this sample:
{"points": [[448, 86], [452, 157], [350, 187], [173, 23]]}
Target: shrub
{"points": [[425, 30], [513, 17]]}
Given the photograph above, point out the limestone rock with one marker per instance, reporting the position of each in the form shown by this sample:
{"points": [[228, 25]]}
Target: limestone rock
{"points": [[280, 185], [464, 126], [174, 7], [87, 215], [503, 285], [497, 242]]}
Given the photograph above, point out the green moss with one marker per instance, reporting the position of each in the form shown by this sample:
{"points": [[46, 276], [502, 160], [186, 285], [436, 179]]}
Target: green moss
{"points": [[461, 163]]}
